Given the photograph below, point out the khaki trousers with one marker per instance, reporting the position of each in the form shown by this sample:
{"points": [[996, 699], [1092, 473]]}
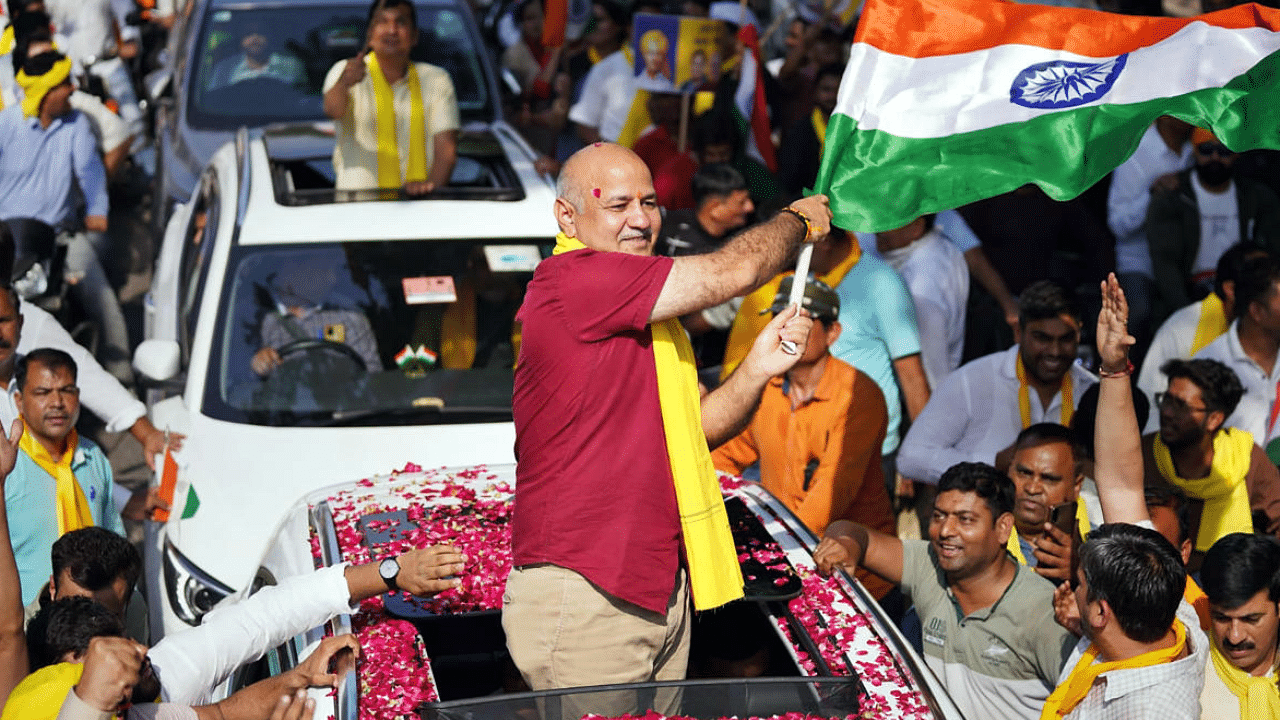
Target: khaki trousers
{"points": [[563, 631]]}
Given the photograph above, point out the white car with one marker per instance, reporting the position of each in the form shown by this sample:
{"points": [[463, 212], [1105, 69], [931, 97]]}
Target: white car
{"points": [[393, 320], [797, 643]]}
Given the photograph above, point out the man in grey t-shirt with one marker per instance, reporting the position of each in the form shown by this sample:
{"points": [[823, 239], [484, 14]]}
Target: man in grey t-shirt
{"points": [[989, 633]]}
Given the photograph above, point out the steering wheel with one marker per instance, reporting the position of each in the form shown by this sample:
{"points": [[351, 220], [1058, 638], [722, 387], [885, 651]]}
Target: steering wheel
{"points": [[310, 345]]}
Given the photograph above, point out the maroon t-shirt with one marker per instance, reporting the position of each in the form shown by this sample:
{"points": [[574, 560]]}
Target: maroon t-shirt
{"points": [[594, 492]]}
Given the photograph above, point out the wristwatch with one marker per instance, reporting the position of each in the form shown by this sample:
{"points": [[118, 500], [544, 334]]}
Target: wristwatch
{"points": [[389, 570]]}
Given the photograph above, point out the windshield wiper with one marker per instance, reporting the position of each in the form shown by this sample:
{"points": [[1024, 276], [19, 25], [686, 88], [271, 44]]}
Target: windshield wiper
{"points": [[339, 418]]}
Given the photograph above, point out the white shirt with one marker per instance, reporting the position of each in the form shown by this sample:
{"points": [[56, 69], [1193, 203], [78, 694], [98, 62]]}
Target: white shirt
{"points": [[1219, 225], [1130, 195], [100, 392], [1169, 691], [355, 154], [1254, 410], [974, 414], [938, 279], [89, 28], [192, 662], [606, 96], [1172, 340]]}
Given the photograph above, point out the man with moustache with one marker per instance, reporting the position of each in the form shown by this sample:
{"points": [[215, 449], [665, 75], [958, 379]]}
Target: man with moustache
{"points": [[987, 621], [978, 410], [1207, 211], [1047, 471], [619, 519], [1241, 576], [61, 481], [1197, 452]]}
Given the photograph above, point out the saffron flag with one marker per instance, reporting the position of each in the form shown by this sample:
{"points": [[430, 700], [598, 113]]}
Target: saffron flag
{"points": [[945, 102]]}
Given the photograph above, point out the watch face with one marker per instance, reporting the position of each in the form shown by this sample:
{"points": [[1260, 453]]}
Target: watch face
{"points": [[388, 568]]}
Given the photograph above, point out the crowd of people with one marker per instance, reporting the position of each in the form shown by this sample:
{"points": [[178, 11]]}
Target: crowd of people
{"points": [[1067, 519]]}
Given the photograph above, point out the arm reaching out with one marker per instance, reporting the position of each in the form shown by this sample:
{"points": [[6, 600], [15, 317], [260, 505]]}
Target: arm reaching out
{"points": [[1117, 438], [13, 643], [847, 544]]}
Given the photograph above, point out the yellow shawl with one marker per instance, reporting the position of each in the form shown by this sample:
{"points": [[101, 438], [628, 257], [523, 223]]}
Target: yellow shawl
{"points": [[1015, 548], [385, 109], [715, 577], [1024, 396], [1225, 494], [1258, 695], [1069, 694], [819, 128], [40, 695], [70, 503], [1212, 322], [35, 87]]}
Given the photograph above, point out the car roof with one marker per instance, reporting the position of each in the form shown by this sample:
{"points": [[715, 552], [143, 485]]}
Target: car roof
{"points": [[363, 4], [264, 219]]}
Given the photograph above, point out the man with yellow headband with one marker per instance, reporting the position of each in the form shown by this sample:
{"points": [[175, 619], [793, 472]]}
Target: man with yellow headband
{"points": [[62, 482], [396, 121], [1196, 452], [1241, 576], [47, 149], [619, 518]]}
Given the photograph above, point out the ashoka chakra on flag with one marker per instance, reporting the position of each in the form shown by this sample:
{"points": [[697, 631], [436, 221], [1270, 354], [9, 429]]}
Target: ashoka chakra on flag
{"points": [[1058, 84], [945, 102]]}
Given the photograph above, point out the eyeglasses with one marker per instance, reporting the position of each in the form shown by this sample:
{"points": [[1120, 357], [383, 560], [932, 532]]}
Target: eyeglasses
{"points": [[1176, 404], [1213, 148]]}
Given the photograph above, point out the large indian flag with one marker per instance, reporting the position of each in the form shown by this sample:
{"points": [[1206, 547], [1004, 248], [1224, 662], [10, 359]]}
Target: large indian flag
{"points": [[946, 102]]}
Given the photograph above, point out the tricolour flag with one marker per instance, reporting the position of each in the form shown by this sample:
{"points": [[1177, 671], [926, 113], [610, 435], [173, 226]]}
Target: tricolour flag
{"points": [[945, 102]]}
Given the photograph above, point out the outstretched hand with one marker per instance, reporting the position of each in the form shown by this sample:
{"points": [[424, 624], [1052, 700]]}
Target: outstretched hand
{"points": [[1114, 339]]}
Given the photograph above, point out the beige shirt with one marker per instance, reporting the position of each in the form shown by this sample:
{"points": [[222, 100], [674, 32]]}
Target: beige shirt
{"points": [[1216, 701], [355, 156]]}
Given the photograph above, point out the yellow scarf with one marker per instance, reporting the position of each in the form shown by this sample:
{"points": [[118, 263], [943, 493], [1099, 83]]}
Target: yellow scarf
{"points": [[1015, 547], [388, 148], [1024, 396], [819, 128], [714, 574], [749, 321], [34, 88], [1212, 322], [71, 504], [1069, 694], [1258, 695], [1196, 598], [1225, 494], [6, 41], [40, 695]]}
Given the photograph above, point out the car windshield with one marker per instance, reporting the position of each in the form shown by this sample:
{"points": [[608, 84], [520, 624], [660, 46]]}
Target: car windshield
{"points": [[370, 333], [266, 65]]}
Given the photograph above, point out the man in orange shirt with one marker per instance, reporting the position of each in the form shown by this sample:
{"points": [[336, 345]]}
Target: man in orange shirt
{"points": [[817, 433]]}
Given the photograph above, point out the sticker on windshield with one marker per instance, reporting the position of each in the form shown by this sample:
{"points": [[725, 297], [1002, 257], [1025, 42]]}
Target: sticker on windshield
{"points": [[342, 38], [423, 290], [512, 258], [222, 16]]}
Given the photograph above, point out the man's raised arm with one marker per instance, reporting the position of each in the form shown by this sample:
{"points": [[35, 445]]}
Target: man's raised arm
{"points": [[1117, 438], [13, 642], [746, 262]]}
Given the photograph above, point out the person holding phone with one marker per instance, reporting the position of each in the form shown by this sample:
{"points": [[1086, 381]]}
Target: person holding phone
{"points": [[1047, 470]]}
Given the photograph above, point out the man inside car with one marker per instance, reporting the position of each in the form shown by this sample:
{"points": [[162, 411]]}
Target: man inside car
{"points": [[396, 122], [304, 320]]}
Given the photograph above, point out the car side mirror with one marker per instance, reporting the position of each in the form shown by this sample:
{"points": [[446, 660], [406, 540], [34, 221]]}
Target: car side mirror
{"points": [[158, 84], [157, 360]]}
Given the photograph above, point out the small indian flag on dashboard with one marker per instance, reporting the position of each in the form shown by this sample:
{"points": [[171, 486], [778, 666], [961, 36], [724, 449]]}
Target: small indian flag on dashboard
{"points": [[945, 102]]}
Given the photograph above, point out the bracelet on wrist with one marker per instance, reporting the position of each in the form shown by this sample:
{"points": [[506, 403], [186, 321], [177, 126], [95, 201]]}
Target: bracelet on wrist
{"points": [[1126, 372], [808, 226]]}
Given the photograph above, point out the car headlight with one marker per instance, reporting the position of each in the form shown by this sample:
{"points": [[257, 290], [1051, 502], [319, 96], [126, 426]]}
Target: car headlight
{"points": [[192, 591]]}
